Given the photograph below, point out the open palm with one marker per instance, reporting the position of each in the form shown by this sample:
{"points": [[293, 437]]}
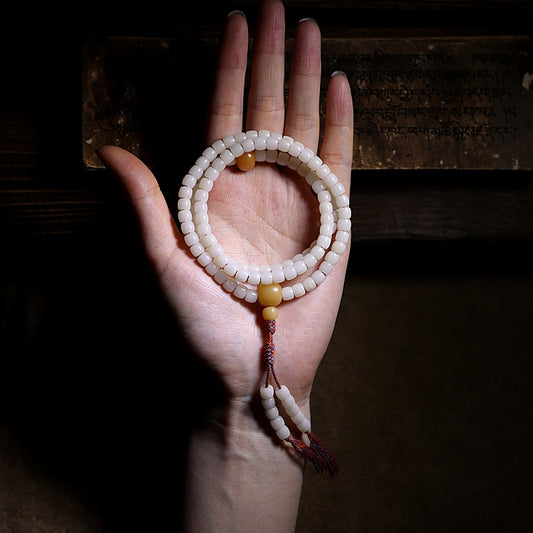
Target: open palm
{"points": [[262, 216]]}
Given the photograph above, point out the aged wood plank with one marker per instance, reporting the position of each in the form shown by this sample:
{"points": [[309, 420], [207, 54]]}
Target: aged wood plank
{"points": [[420, 103], [44, 196], [495, 213], [429, 103]]}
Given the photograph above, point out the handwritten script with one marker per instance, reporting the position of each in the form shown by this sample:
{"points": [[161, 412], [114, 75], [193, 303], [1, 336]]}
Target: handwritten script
{"points": [[440, 102]]}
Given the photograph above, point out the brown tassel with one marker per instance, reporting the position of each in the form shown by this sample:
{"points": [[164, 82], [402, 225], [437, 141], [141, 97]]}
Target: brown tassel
{"points": [[323, 462], [321, 450]]}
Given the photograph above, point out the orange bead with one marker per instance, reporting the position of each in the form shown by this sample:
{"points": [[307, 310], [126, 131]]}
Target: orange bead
{"points": [[246, 161], [269, 295], [270, 313]]}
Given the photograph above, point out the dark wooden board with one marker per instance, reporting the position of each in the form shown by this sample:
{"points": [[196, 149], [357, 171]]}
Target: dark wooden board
{"points": [[441, 103], [420, 103]]}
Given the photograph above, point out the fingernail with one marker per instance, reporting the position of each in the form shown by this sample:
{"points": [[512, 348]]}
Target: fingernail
{"points": [[237, 12], [339, 73], [306, 19]]}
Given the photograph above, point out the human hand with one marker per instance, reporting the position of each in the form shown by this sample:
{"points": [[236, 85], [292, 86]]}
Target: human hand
{"points": [[262, 216]]}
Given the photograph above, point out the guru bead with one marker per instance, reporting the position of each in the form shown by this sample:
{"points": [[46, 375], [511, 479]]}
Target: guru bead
{"points": [[269, 295], [270, 313], [246, 161]]}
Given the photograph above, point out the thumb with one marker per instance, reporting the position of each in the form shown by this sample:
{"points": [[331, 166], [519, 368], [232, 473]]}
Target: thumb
{"points": [[158, 229]]}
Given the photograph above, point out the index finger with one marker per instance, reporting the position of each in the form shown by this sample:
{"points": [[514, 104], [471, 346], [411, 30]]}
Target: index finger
{"points": [[226, 109]]}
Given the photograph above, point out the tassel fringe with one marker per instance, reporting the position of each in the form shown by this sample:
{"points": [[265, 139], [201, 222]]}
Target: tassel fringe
{"points": [[319, 456], [326, 456], [316, 452]]}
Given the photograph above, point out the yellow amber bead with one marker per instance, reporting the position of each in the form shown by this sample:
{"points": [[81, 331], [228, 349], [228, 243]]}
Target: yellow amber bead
{"points": [[270, 313], [269, 295], [246, 161]]}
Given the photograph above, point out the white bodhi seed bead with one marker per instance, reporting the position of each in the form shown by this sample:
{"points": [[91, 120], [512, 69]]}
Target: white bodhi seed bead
{"points": [[242, 274], [288, 403], [296, 149], [300, 266], [184, 204], [218, 146], [326, 267], [299, 290], [220, 277], [304, 426], [287, 293], [191, 238], [309, 284], [277, 423], [332, 257], [344, 212], [211, 268], [202, 162], [272, 413], [267, 392], [272, 144], [283, 433], [196, 249], [268, 404], [185, 192], [229, 141], [292, 410], [344, 224], [290, 272], [230, 284], [227, 157], [251, 296], [210, 154], [204, 259], [342, 236], [285, 143], [283, 393], [231, 269], [248, 145], [299, 418], [240, 292], [260, 143], [237, 150], [277, 273], [318, 276], [196, 172]]}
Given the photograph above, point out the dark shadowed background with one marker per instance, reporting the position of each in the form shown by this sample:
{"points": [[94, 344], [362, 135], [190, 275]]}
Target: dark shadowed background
{"points": [[425, 393]]}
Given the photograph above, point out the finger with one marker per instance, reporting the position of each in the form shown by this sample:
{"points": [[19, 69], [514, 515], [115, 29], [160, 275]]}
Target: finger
{"points": [[303, 120], [266, 101], [226, 109], [337, 145], [157, 227]]}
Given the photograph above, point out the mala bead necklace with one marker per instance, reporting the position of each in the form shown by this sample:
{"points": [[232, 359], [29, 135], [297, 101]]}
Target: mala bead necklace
{"points": [[263, 283]]}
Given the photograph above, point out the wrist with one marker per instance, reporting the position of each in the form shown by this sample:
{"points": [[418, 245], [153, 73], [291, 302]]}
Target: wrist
{"points": [[235, 462], [240, 430]]}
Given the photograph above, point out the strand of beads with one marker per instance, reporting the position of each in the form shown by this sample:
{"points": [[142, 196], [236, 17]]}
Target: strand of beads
{"points": [[289, 406], [316, 452], [240, 279], [277, 422]]}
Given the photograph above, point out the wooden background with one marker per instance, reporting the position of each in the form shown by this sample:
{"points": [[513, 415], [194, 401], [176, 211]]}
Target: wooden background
{"points": [[431, 356]]}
